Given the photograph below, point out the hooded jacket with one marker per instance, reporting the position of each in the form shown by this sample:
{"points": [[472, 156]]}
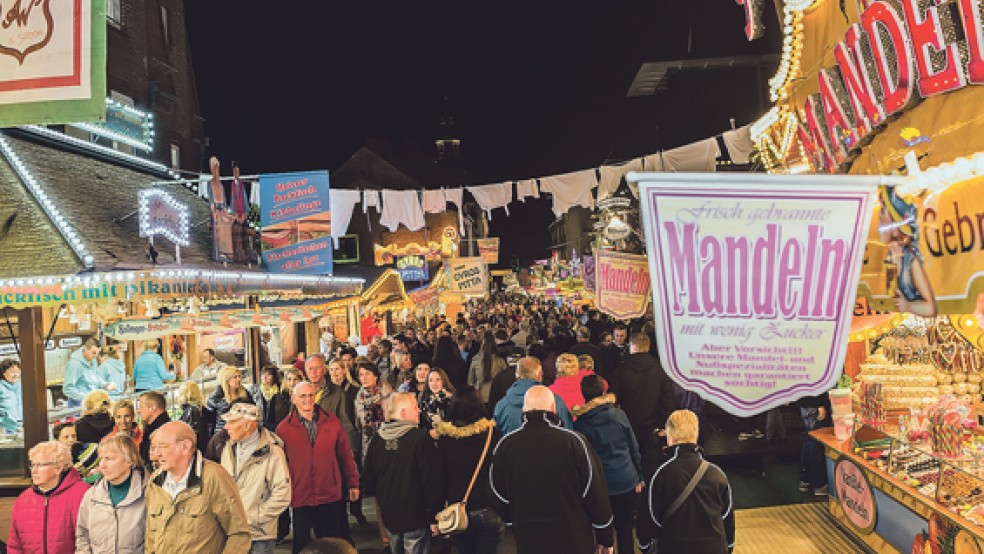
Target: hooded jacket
{"points": [[323, 472], [263, 482], [459, 448], [45, 523], [399, 470], [704, 523], [103, 528], [568, 387], [81, 377], [93, 427], [645, 393], [11, 405], [609, 432], [205, 518], [149, 371], [509, 410], [544, 456]]}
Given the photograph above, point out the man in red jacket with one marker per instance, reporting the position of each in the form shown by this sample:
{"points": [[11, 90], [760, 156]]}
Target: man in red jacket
{"points": [[321, 463]]}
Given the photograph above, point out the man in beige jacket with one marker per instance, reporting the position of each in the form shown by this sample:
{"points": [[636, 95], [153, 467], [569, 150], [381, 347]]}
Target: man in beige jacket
{"points": [[255, 459], [192, 503]]}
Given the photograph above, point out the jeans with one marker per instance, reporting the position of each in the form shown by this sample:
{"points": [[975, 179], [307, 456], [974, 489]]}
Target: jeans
{"points": [[623, 512], [323, 519], [262, 547], [485, 530], [813, 467], [411, 542]]}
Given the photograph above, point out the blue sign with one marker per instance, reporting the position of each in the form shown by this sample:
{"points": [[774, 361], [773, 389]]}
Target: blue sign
{"points": [[412, 268], [295, 223]]}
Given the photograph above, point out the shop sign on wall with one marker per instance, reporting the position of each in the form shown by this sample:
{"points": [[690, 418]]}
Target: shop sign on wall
{"points": [[52, 62], [855, 495], [754, 280], [161, 214], [467, 276], [412, 268], [296, 222], [488, 249], [621, 284]]}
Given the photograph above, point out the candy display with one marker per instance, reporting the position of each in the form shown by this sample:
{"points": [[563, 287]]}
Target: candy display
{"points": [[872, 403]]}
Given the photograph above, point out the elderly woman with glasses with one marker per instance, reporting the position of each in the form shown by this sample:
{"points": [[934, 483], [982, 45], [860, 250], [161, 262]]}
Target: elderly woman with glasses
{"points": [[43, 518], [113, 512]]}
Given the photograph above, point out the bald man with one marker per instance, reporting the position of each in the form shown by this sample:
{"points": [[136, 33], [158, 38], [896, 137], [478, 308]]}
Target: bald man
{"points": [[542, 456], [193, 504]]}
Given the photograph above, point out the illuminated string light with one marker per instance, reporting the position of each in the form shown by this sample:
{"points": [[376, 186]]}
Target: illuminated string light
{"points": [[150, 165]]}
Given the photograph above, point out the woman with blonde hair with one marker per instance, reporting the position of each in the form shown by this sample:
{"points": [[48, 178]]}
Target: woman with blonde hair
{"points": [[125, 420], [567, 385], [113, 512], [95, 422], [229, 390], [149, 371], [192, 411], [43, 517]]}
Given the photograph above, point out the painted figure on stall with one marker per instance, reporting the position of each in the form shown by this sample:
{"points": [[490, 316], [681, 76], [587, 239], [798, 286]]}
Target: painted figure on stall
{"points": [[899, 231]]}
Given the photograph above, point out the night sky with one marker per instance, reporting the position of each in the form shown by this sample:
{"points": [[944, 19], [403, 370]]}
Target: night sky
{"points": [[536, 87]]}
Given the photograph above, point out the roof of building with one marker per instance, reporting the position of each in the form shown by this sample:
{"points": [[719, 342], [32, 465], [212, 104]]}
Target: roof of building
{"points": [[98, 199]]}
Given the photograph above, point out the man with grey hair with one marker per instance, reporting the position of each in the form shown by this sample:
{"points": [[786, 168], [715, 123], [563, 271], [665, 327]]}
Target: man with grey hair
{"points": [[255, 459], [193, 504], [328, 396], [509, 410], [544, 456], [398, 469]]}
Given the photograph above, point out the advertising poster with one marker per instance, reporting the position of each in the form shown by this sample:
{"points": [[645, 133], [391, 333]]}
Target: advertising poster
{"points": [[52, 62], [754, 279], [588, 269], [621, 284], [488, 249], [923, 252], [412, 268], [468, 276], [295, 222]]}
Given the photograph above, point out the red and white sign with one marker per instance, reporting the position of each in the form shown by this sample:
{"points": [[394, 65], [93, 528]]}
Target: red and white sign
{"points": [[161, 214], [897, 54], [855, 495], [622, 284]]}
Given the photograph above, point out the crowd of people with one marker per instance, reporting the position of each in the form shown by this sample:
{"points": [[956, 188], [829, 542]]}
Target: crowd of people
{"points": [[536, 416]]}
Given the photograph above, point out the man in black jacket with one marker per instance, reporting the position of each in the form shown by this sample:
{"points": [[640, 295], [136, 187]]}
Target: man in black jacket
{"points": [[584, 346], [704, 523], [548, 482], [152, 408], [616, 352], [397, 470], [645, 394]]}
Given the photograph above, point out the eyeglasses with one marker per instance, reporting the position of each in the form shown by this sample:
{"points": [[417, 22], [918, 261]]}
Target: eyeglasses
{"points": [[161, 445], [40, 465]]}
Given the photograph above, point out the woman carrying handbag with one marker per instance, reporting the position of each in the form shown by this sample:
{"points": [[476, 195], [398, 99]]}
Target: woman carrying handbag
{"points": [[464, 446]]}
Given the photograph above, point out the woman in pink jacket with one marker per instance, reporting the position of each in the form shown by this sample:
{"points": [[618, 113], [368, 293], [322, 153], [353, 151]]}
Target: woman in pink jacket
{"points": [[570, 371], [44, 516]]}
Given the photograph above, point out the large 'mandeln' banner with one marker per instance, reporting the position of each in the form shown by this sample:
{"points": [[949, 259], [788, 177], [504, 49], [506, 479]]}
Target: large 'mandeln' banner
{"points": [[52, 61], [754, 280], [296, 222], [621, 284]]}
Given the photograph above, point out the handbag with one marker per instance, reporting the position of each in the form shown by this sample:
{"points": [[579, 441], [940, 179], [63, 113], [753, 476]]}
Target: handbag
{"points": [[454, 518]]}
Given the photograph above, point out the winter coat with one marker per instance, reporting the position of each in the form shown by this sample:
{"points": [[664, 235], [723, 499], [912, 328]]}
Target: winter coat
{"points": [[331, 398], [607, 429], [149, 372], [81, 377], [500, 385], [205, 518], [114, 371], [218, 405], [321, 473], [433, 407], [274, 410], [544, 456], [148, 430], [194, 416], [509, 410], [476, 374], [106, 529], [458, 449], [399, 470], [645, 393], [136, 435], [11, 405], [45, 523], [370, 414], [263, 482], [568, 387], [93, 427], [704, 523]]}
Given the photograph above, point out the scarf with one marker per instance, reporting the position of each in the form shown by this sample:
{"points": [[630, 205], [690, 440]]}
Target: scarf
{"points": [[269, 392], [395, 429]]}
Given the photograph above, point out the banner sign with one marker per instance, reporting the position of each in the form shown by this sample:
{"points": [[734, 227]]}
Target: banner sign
{"points": [[296, 222], [412, 268], [142, 329], [52, 61], [161, 214], [753, 281], [621, 284], [488, 249], [588, 268], [923, 252], [468, 276]]}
